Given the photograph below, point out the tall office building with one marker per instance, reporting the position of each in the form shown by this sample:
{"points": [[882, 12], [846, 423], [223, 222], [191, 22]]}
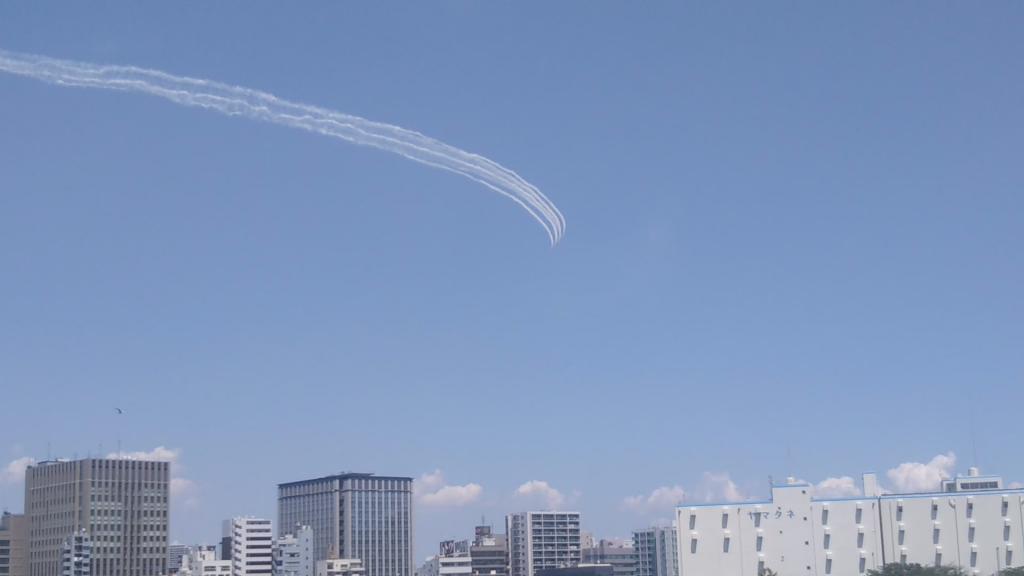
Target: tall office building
{"points": [[657, 551], [13, 545], [120, 504], [971, 522], [252, 546], [538, 540], [619, 555], [489, 553], [293, 553], [360, 516]]}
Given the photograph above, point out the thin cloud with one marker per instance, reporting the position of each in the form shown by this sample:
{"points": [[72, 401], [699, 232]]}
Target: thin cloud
{"points": [[431, 490], [661, 499], [719, 487], [540, 490], [14, 472], [837, 487]]}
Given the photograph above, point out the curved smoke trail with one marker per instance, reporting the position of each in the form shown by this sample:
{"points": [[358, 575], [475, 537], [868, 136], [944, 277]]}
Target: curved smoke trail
{"points": [[238, 101]]}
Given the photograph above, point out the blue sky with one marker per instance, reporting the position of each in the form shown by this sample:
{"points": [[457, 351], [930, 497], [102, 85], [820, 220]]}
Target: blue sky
{"points": [[793, 247]]}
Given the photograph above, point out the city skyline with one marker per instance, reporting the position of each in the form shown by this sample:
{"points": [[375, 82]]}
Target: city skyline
{"points": [[793, 249]]}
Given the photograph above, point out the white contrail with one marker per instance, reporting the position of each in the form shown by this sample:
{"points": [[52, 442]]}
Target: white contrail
{"points": [[238, 101]]}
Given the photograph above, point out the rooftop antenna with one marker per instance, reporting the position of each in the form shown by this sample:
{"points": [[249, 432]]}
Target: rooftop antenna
{"points": [[974, 438]]}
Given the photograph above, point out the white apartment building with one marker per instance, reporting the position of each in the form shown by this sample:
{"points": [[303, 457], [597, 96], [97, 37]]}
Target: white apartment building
{"points": [[203, 561], [539, 540], [971, 522], [252, 543], [657, 551], [340, 567], [293, 553]]}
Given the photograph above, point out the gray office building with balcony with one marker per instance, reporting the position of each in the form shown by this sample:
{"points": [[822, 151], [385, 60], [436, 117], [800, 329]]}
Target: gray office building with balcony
{"points": [[361, 516]]}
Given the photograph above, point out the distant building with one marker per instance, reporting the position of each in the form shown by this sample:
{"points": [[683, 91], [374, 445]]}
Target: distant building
{"points": [[971, 522], [619, 555], [252, 544], [460, 565], [355, 516], [540, 540], [293, 553], [13, 545], [76, 555], [339, 567], [204, 561], [581, 570], [657, 551], [175, 556], [121, 504], [489, 553]]}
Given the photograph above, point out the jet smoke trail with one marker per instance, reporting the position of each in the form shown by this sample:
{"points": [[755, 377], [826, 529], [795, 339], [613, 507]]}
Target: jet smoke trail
{"points": [[238, 101]]}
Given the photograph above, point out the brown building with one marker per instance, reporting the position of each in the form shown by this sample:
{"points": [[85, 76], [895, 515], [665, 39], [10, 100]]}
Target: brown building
{"points": [[13, 545]]}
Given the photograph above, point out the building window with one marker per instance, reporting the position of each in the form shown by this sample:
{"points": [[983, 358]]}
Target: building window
{"points": [[899, 512], [902, 536], [936, 533], [693, 545], [970, 509], [1009, 557], [1006, 508], [970, 534], [828, 565], [860, 540], [935, 510], [725, 520], [860, 515], [760, 543], [1006, 533], [725, 544], [938, 558], [974, 558], [862, 566], [824, 516], [693, 521], [827, 541], [757, 520]]}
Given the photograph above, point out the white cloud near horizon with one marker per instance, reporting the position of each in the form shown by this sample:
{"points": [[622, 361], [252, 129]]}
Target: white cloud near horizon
{"points": [[14, 472], [837, 487], [540, 490], [719, 487], [922, 477], [431, 490], [661, 499]]}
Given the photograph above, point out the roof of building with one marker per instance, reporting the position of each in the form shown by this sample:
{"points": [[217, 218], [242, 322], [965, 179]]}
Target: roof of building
{"points": [[343, 476]]}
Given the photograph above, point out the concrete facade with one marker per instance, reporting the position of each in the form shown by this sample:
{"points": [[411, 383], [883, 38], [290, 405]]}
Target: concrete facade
{"points": [[794, 533], [539, 540], [122, 505], [293, 553], [359, 516], [13, 545], [657, 551], [252, 546]]}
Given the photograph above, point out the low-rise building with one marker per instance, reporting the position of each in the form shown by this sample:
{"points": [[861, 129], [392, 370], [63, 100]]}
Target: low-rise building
{"points": [[971, 522]]}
